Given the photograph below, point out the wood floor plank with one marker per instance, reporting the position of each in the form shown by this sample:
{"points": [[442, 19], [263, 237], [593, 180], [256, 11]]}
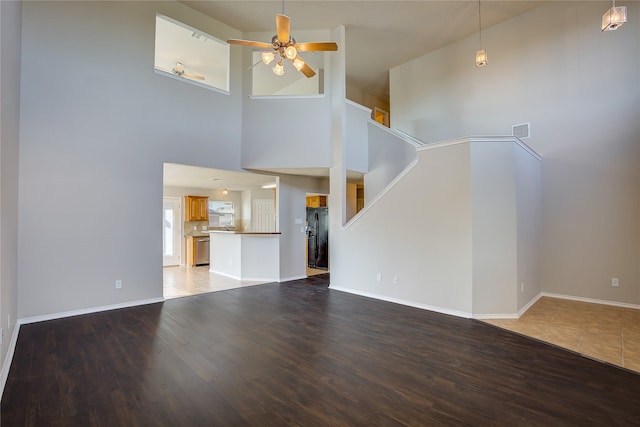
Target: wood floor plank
{"points": [[298, 353]]}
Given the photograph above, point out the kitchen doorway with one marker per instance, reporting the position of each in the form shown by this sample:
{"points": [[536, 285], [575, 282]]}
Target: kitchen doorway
{"points": [[235, 191], [171, 231], [317, 228]]}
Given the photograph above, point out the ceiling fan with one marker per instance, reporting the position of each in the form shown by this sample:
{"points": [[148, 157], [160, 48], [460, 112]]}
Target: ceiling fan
{"points": [[286, 47], [179, 71]]}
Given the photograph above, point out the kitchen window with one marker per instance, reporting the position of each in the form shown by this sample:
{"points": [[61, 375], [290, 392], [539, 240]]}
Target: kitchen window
{"points": [[221, 214]]}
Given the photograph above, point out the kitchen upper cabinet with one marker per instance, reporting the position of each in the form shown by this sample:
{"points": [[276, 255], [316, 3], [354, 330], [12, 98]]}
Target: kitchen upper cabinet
{"points": [[196, 208], [316, 201]]}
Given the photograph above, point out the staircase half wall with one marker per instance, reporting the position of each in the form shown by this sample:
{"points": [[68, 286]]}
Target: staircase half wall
{"points": [[456, 233]]}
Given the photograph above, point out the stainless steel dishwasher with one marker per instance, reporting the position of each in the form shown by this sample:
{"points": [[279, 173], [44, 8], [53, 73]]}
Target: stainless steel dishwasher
{"points": [[202, 250]]}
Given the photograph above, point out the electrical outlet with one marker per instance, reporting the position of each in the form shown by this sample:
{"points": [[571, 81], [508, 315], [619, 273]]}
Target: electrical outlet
{"points": [[521, 286], [615, 282], [395, 280], [1, 335], [118, 284], [379, 277], [9, 321]]}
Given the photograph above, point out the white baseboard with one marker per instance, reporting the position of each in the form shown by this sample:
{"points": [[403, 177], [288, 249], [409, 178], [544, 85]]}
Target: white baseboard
{"points": [[590, 300], [552, 295], [517, 315], [4, 373], [528, 305], [403, 302], [90, 310], [495, 316]]}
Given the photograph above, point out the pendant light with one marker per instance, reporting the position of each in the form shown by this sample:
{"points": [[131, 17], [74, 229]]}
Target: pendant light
{"points": [[278, 69], [481, 55], [614, 17]]}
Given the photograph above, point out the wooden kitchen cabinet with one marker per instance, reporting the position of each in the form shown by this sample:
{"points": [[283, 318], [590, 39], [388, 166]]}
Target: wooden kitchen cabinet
{"points": [[196, 208], [316, 201]]}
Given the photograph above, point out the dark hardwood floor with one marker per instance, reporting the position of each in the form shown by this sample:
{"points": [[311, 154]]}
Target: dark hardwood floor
{"points": [[298, 353]]}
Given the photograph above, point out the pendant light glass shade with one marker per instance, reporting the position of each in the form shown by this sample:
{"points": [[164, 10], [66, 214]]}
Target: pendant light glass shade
{"points": [[290, 52], [278, 70], [481, 58], [298, 63], [614, 18], [267, 57]]}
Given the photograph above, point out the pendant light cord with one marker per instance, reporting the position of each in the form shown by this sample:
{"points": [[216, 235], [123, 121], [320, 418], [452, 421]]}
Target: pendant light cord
{"points": [[479, 23]]}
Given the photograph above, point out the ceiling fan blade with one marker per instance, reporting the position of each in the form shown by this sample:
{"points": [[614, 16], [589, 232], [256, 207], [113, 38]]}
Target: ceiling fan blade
{"points": [[283, 27], [250, 43], [316, 47], [193, 76], [306, 70]]}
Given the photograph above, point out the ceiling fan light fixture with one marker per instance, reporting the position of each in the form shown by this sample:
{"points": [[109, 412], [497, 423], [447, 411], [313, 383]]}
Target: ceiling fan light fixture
{"points": [[481, 58], [268, 57], [290, 52], [298, 63], [278, 69], [178, 69], [614, 18]]}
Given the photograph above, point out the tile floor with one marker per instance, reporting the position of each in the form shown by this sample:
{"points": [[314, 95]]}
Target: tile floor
{"points": [[602, 332], [181, 281], [185, 281]]}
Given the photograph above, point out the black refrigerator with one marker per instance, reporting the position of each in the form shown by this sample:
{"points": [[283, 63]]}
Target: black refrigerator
{"points": [[318, 238]]}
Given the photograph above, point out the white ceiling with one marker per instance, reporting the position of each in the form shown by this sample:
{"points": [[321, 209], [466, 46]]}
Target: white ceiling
{"points": [[213, 179], [380, 35]]}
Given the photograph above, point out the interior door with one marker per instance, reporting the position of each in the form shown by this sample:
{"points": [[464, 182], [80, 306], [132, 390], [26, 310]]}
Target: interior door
{"points": [[263, 215], [171, 231]]}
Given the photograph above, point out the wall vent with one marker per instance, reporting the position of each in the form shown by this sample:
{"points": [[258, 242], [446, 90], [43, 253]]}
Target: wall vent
{"points": [[521, 131]]}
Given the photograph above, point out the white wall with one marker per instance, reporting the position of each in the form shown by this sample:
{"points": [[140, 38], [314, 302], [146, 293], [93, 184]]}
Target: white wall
{"points": [[528, 227], [356, 137], [288, 132], [419, 231], [10, 27], [579, 89], [97, 124], [448, 230], [388, 156], [493, 218]]}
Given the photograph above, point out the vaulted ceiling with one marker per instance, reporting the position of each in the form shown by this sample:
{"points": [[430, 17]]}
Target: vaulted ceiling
{"points": [[379, 34]]}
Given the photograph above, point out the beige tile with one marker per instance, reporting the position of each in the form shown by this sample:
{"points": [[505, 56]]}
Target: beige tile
{"points": [[632, 360], [186, 281], [602, 332], [604, 326], [563, 336], [532, 328], [631, 341], [503, 323], [602, 346], [569, 318]]}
